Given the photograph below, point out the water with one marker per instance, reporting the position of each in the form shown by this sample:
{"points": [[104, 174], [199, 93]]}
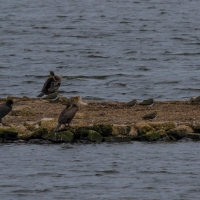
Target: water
{"points": [[104, 171], [109, 50]]}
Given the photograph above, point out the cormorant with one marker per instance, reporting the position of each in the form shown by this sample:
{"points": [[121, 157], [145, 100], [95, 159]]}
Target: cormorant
{"points": [[5, 109], [51, 85], [67, 114]]}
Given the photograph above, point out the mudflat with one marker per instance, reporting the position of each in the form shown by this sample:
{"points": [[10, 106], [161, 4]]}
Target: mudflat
{"points": [[101, 112]]}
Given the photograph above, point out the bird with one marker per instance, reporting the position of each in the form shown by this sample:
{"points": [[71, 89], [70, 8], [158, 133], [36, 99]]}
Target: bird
{"points": [[194, 100], [132, 103], [152, 115], [5, 109], [147, 102], [52, 96], [67, 114], [51, 85]]}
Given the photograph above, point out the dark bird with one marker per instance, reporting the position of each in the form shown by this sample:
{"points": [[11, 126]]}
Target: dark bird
{"points": [[132, 103], [67, 115], [150, 116], [5, 109], [51, 84], [148, 102]]}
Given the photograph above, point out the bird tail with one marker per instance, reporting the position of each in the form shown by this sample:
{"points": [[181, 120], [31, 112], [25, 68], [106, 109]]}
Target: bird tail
{"points": [[57, 127], [41, 94]]}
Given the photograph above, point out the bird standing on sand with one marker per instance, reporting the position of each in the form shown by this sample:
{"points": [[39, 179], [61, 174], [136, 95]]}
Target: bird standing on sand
{"points": [[67, 115], [148, 102], [150, 116], [51, 85], [132, 103], [5, 109]]}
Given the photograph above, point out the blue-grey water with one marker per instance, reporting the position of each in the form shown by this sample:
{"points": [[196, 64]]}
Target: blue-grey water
{"points": [[109, 50], [103, 171], [104, 49]]}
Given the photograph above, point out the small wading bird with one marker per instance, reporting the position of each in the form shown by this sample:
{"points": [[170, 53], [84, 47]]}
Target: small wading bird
{"points": [[132, 103], [5, 109], [150, 116], [148, 102], [67, 115]]}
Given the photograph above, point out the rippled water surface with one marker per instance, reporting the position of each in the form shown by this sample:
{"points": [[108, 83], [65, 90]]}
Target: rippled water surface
{"points": [[103, 171], [111, 50]]}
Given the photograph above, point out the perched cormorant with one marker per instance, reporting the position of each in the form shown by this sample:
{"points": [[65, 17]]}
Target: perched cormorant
{"points": [[5, 109], [150, 116], [51, 85], [67, 115]]}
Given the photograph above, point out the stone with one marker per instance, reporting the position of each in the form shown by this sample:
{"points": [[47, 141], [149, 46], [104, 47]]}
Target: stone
{"points": [[162, 125], [143, 128], [133, 132], [194, 136], [121, 130], [180, 131], [62, 136], [91, 135]]}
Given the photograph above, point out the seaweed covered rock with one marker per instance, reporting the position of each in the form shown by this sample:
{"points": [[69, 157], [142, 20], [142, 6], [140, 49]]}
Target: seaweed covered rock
{"points": [[62, 136], [143, 128], [162, 125], [104, 129], [8, 134], [91, 135]]}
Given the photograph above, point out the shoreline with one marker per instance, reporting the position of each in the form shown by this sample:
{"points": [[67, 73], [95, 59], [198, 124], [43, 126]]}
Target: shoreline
{"points": [[98, 121]]}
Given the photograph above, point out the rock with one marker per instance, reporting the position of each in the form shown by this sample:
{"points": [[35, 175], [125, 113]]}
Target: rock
{"points": [[133, 132], [143, 128], [38, 133], [153, 136], [104, 129], [91, 135], [196, 127], [162, 125], [62, 136], [23, 132], [9, 134], [180, 131], [194, 136], [121, 130]]}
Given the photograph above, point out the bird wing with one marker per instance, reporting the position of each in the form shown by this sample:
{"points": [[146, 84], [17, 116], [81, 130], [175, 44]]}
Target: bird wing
{"points": [[47, 84], [4, 110]]}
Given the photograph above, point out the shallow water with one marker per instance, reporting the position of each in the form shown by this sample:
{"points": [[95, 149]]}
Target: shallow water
{"points": [[110, 50], [104, 171]]}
